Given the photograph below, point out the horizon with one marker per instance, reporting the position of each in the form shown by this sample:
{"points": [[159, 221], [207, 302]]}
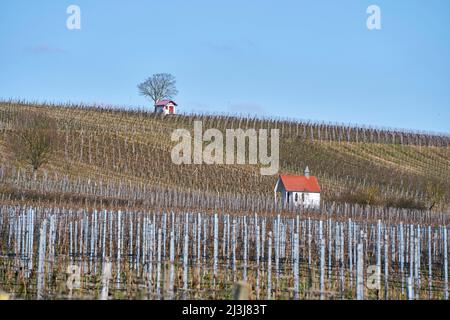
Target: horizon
{"points": [[143, 109], [319, 64]]}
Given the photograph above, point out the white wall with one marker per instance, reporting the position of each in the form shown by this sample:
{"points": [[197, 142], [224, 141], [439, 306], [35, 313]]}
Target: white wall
{"points": [[306, 199], [161, 109]]}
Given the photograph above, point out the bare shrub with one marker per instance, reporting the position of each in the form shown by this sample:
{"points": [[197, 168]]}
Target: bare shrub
{"points": [[436, 194], [32, 139]]}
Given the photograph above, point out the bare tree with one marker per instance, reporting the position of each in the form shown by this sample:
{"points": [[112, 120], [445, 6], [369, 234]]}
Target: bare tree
{"points": [[32, 140], [159, 86]]}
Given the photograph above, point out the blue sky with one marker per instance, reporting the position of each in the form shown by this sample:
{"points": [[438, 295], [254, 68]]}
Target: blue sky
{"points": [[300, 59]]}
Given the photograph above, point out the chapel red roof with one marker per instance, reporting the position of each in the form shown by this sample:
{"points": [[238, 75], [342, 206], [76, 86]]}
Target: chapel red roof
{"points": [[300, 183], [164, 103]]}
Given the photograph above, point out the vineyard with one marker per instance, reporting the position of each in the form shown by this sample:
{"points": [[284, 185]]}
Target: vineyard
{"points": [[117, 147], [338, 253], [109, 216]]}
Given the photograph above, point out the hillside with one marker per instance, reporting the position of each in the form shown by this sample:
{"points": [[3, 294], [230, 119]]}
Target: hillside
{"points": [[132, 148]]}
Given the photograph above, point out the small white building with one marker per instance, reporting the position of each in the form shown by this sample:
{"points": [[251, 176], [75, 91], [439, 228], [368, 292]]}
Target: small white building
{"points": [[165, 107], [298, 190]]}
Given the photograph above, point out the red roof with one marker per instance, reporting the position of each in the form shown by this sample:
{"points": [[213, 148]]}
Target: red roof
{"points": [[300, 183], [164, 103]]}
